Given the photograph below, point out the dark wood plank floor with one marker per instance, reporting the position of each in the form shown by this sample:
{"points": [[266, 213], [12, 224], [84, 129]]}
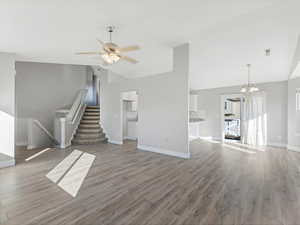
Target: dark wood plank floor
{"points": [[218, 185]]}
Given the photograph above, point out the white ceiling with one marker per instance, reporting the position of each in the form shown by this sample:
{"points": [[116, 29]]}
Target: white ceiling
{"points": [[224, 35]]}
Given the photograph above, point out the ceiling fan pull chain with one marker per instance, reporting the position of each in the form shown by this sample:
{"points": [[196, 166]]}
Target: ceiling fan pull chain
{"points": [[110, 30]]}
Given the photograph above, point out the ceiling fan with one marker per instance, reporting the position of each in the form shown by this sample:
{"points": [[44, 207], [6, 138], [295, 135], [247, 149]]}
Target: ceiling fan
{"points": [[111, 52]]}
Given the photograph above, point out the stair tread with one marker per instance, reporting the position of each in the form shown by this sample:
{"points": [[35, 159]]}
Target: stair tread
{"points": [[98, 119], [89, 136], [84, 130], [89, 126], [92, 110], [89, 121], [91, 114], [89, 130], [92, 141], [91, 118], [93, 106]]}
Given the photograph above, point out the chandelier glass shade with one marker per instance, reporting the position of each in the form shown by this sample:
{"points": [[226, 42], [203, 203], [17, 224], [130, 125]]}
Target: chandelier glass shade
{"points": [[249, 88]]}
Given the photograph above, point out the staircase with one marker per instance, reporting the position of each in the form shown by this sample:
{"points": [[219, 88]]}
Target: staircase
{"points": [[89, 130]]}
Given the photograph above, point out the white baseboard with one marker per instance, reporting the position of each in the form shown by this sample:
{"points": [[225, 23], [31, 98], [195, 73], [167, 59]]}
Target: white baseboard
{"points": [[115, 142], [7, 163], [293, 148], [29, 147], [130, 138], [163, 151], [279, 145], [21, 143], [62, 146]]}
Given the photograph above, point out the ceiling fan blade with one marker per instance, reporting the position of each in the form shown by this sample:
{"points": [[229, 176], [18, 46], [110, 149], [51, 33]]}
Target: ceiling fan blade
{"points": [[88, 53], [129, 59], [129, 48]]}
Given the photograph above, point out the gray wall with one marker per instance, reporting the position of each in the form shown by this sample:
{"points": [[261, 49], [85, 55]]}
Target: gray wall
{"points": [[7, 104], [276, 92], [163, 107], [293, 122], [41, 89]]}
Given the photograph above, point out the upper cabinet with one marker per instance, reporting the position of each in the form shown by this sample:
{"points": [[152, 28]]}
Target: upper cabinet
{"points": [[130, 96], [232, 108], [193, 106]]}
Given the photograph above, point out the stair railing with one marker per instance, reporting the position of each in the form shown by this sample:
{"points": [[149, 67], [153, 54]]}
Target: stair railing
{"points": [[44, 129], [66, 121]]}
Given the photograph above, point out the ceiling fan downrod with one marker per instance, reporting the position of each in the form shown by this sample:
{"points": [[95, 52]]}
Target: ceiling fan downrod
{"points": [[110, 30]]}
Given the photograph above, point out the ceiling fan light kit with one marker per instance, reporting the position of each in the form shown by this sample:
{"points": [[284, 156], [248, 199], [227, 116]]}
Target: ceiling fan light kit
{"points": [[110, 58], [111, 53]]}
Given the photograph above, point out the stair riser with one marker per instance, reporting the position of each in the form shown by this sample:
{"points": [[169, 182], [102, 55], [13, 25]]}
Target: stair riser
{"points": [[91, 118], [86, 142], [93, 107], [89, 131], [89, 136], [92, 110], [89, 126], [88, 139]]}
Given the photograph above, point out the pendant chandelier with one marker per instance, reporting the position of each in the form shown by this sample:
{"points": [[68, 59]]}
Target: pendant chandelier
{"points": [[249, 88]]}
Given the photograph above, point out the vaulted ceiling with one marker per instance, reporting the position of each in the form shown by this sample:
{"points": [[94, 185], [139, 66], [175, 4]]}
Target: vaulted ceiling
{"points": [[224, 35]]}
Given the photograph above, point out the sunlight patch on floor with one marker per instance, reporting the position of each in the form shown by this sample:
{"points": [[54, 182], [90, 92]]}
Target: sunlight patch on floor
{"points": [[256, 148], [238, 148], [70, 173], [55, 174], [73, 180], [37, 154]]}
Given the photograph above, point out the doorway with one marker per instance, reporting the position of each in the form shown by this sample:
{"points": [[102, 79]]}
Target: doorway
{"points": [[231, 117], [130, 115]]}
